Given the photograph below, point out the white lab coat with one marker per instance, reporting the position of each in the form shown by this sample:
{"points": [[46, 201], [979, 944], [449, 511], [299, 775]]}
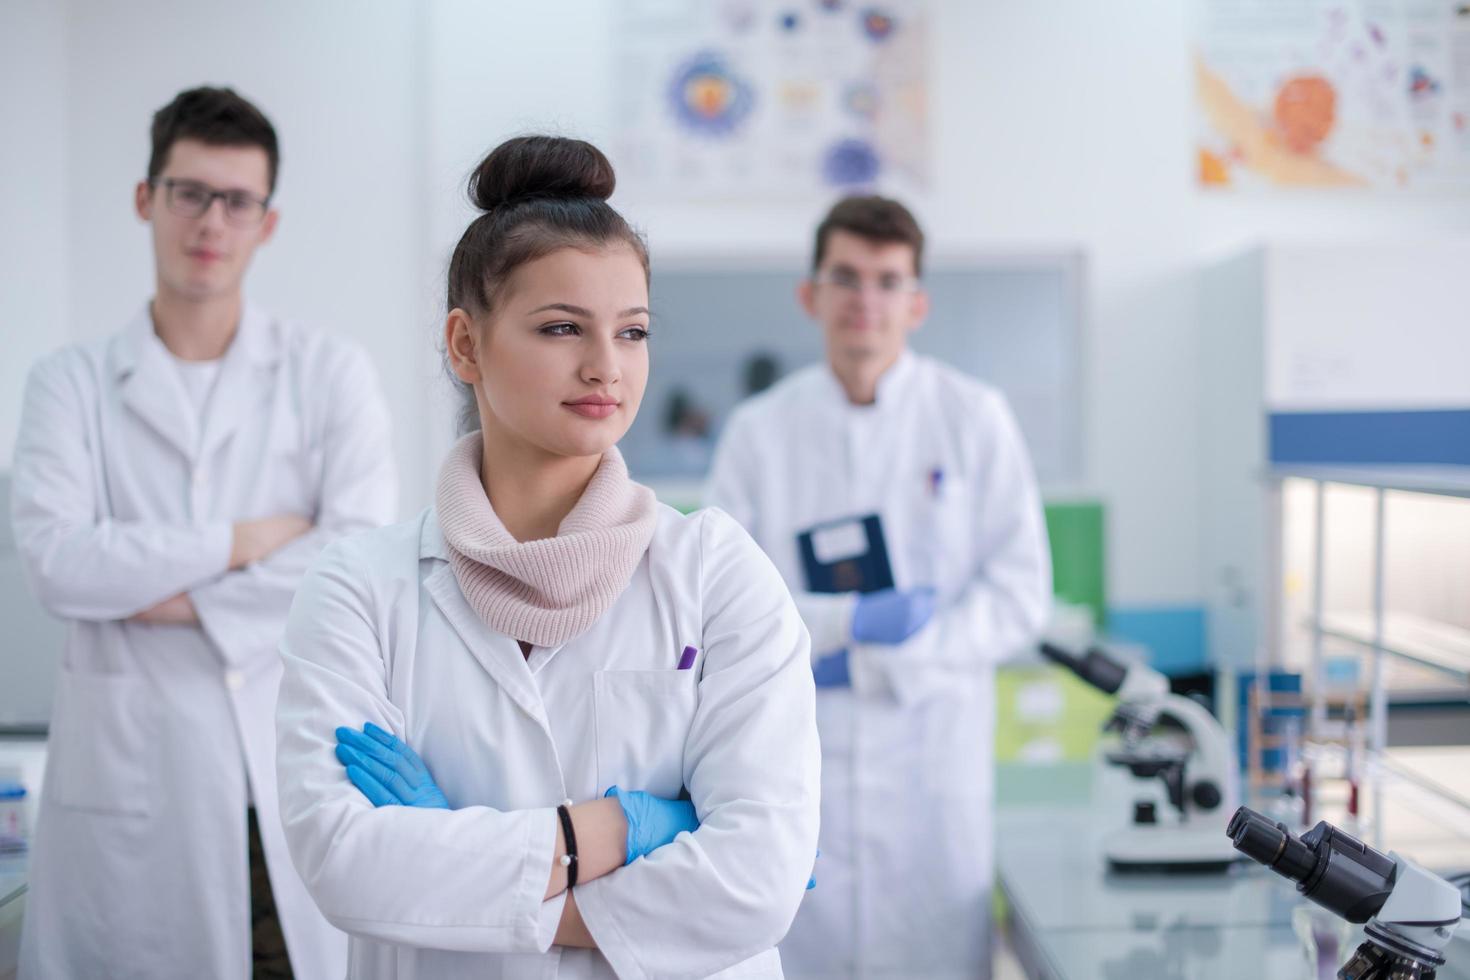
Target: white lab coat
{"points": [[907, 765], [381, 632], [161, 735]]}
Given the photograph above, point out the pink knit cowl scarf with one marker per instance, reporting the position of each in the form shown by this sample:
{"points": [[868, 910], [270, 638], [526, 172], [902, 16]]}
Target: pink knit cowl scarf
{"points": [[543, 592]]}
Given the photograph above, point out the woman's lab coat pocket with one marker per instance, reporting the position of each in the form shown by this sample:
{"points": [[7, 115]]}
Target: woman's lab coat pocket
{"points": [[100, 744], [643, 719]]}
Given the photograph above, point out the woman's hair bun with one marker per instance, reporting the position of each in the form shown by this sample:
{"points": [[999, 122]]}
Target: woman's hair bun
{"points": [[540, 166]]}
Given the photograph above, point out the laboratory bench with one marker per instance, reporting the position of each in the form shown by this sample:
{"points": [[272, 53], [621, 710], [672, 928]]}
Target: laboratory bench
{"points": [[12, 904], [22, 758], [1071, 918]]}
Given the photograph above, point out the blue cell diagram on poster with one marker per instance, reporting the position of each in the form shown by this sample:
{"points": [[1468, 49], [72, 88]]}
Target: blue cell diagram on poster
{"points": [[737, 99], [1333, 93]]}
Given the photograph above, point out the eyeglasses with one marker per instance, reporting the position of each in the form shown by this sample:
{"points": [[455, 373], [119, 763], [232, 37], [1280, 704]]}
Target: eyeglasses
{"points": [[888, 284], [191, 199]]}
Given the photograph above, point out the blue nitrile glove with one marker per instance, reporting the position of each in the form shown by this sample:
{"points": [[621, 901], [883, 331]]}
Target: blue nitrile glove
{"points": [[812, 881], [652, 820], [831, 670], [388, 772], [891, 616]]}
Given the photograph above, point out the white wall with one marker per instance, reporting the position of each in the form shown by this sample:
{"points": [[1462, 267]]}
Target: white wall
{"points": [[1055, 124], [34, 202], [1368, 328], [34, 197]]}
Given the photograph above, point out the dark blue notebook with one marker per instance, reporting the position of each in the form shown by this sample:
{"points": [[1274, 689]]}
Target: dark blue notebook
{"points": [[848, 555]]}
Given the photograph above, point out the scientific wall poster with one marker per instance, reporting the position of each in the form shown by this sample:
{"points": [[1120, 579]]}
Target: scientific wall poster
{"points": [[742, 99], [1370, 94]]}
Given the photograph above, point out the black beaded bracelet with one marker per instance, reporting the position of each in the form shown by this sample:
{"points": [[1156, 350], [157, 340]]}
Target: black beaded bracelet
{"points": [[569, 859]]}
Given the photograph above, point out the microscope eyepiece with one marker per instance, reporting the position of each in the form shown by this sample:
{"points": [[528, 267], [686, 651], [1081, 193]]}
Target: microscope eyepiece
{"points": [[1094, 667], [1270, 844], [1333, 869]]}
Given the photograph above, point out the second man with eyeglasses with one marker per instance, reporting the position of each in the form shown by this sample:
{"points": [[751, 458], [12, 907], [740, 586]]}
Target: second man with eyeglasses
{"points": [[897, 499], [171, 485]]}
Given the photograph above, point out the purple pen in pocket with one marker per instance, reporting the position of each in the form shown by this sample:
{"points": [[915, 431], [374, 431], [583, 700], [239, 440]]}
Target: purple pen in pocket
{"points": [[686, 659]]}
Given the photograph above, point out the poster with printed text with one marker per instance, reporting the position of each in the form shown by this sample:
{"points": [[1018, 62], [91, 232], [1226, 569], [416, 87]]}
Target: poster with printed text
{"points": [[1373, 94], [742, 99]]}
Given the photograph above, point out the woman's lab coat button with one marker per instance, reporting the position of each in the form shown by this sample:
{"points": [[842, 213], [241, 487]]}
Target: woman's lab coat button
{"points": [[566, 802], [234, 680]]}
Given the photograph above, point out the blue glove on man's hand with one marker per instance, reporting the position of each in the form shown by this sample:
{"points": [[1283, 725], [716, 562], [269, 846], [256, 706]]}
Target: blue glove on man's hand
{"points": [[891, 616], [652, 820], [831, 670], [388, 772]]}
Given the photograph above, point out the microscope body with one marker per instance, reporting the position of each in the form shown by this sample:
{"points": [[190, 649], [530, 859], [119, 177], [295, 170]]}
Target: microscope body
{"points": [[1411, 929], [1409, 914], [1200, 783], [1199, 779]]}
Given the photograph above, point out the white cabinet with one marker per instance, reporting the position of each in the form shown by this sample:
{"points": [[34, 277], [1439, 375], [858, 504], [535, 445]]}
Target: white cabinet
{"points": [[1351, 357], [1335, 482]]}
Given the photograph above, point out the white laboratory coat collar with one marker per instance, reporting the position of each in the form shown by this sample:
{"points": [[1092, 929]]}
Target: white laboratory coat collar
{"points": [[892, 384], [253, 340], [431, 538], [150, 385], [498, 654]]}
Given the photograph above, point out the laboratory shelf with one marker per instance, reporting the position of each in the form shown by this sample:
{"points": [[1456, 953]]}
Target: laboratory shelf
{"points": [[1450, 481], [1438, 803], [1442, 647], [1413, 661], [1426, 800]]}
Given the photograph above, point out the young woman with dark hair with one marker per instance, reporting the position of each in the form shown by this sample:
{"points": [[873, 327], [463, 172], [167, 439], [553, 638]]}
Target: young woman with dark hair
{"points": [[590, 745]]}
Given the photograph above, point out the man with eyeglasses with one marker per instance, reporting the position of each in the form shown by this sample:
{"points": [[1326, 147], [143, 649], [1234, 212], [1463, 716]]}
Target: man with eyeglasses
{"points": [[897, 499], [171, 485]]}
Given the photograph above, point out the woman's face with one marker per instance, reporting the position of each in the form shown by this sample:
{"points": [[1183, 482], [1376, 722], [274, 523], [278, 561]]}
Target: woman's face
{"points": [[562, 361]]}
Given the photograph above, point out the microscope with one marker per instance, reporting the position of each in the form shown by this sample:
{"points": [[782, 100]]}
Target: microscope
{"points": [[1200, 779], [1411, 914]]}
